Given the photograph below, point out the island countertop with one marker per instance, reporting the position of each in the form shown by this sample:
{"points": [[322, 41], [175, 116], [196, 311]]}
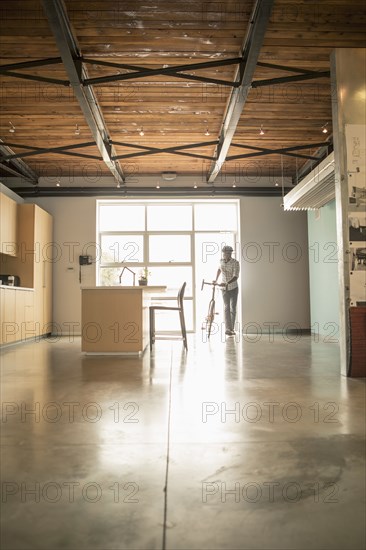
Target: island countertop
{"points": [[149, 288], [115, 319]]}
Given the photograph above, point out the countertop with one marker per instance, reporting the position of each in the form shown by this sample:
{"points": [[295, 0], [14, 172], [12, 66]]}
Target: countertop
{"points": [[147, 288], [17, 287]]}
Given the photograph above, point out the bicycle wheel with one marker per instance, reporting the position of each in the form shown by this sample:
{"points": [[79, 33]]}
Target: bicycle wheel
{"points": [[210, 317]]}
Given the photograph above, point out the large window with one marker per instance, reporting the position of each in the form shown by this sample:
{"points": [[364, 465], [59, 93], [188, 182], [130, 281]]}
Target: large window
{"points": [[176, 240]]}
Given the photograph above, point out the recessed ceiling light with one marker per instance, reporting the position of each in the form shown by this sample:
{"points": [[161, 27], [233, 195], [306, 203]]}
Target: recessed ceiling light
{"points": [[169, 176]]}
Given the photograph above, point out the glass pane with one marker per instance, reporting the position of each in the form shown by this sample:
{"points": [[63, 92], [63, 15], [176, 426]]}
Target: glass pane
{"points": [[121, 217], [122, 248], [208, 255], [218, 217], [109, 276], [170, 248], [169, 218], [169, 320], [172, 278]]}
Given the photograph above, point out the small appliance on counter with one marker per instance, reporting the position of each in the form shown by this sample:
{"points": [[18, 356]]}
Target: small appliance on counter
{"points": [[10, 280]]}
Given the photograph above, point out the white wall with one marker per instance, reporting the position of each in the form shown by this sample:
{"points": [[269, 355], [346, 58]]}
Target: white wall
{"points": [[6, 191], [74, 233], [274, 288], [272, 291]]}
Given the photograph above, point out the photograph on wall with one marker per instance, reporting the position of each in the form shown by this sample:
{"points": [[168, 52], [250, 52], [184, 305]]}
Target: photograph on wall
{"points": [[356, 147], [356, 166], [357, 227], [358, 259], [358, 288], [357, 192]]}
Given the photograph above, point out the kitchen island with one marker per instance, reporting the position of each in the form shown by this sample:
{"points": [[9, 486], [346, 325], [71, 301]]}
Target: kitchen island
{"points": [[115, 319]]}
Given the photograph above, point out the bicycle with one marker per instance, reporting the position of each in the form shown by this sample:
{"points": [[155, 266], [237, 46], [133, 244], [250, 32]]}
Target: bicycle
{"points": [[211, 306]]}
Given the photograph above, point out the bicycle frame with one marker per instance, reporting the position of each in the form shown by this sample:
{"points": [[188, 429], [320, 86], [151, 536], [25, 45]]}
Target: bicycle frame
{"points": [[211, 306]]}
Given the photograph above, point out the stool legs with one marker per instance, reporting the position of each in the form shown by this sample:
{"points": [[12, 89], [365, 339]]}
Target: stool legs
{"points": [[183, 328], [152, 326]]}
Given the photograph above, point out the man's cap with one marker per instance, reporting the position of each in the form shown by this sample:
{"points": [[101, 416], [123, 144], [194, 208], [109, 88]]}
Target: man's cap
{"points": [[227, 249]]}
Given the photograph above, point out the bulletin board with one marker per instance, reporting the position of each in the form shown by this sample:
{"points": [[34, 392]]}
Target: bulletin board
{"points": [[356, 178]]}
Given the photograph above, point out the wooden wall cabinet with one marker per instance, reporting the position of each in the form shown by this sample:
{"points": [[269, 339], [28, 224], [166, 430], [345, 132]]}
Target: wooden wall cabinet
{"points": [[8, 225], [358, 341], [8, 316], [17, 315], [42, 270], [33, 265]]}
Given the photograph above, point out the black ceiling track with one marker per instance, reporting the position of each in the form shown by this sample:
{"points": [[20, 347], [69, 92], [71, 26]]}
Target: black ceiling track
{"points": [[124, 191]]}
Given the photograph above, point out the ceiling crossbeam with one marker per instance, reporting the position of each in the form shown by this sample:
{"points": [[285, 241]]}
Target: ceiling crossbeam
{"points": [[295, 78], [33, 151], [251, 48], [262, 151], [175, 150], [67, 44], [30, 64], [16, 166], [36, 78], [175, 71], [167, 191]]}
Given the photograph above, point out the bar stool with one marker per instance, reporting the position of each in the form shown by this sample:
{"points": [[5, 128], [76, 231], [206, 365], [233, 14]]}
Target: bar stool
{"points": [[179, 308]]}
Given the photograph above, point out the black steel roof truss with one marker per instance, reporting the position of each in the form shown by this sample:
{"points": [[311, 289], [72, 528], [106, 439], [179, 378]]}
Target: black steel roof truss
{"points": [[250, 52], [262, 151], [177, 149], [295, 78], [33, 151], [67, 44], [175, 71]]}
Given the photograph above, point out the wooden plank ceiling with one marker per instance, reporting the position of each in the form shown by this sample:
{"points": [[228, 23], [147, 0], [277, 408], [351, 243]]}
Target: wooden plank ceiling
{"points": [[170, 111]]}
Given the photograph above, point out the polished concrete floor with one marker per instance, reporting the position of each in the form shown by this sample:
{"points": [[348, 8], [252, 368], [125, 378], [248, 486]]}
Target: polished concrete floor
{"points": [[233, 445]]}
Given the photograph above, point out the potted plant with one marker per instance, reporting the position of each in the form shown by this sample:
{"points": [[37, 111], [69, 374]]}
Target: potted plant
{"points": [[143, 276]]}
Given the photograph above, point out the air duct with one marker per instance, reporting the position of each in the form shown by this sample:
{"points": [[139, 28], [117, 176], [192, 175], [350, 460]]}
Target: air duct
{"points": [[315, 190]]}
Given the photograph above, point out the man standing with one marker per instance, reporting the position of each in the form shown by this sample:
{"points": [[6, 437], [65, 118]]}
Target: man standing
{"points": [[229, 269]]}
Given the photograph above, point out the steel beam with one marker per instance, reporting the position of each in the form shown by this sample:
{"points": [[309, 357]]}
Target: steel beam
{"points": [[167, 191], [282, 67], [175, 150], [251, 48], [322, 152], [175, 71], [30, 64], [10, 170], [282, 151], [19, 166], [36, 78], [294, 78], [41, 150], [56, 13]]}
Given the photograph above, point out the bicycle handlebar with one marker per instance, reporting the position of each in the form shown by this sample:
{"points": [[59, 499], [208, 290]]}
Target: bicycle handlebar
{"points": [[212, 284]]}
